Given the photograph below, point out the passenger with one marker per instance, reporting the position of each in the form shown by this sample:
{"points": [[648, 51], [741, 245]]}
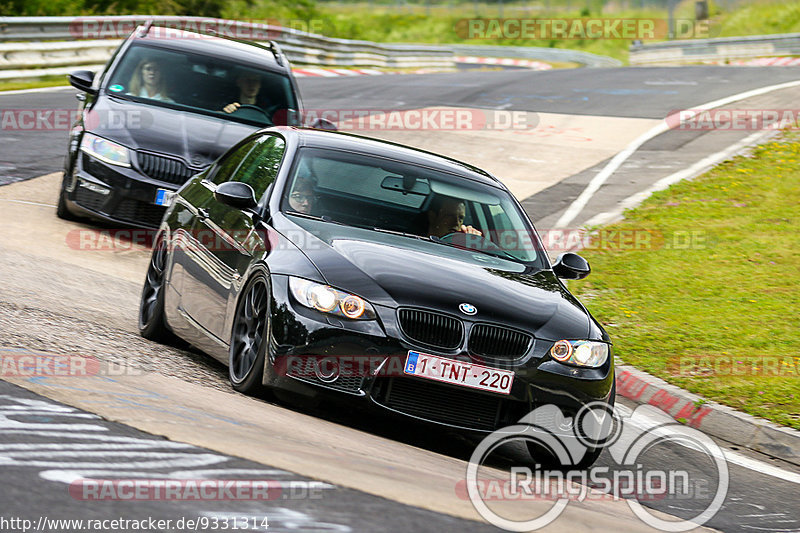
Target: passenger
{"points": [[302, 198], [148, 82], [249, 84], [446, 215]]}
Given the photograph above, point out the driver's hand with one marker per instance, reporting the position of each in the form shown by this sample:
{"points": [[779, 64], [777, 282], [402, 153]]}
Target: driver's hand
{"points": [[470, 230], [230, 108]]}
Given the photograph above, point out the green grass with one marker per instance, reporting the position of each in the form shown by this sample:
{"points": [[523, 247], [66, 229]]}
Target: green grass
{"points": [[385, 21], [46, 81], [717, 313]]}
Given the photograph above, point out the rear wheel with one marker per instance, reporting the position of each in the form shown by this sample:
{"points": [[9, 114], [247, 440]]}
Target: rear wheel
{"points": [[249, 337], [152, 324]]}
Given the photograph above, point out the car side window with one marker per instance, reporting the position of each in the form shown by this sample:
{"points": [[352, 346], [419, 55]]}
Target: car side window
{"points": [[260, 167], [230, 162]]}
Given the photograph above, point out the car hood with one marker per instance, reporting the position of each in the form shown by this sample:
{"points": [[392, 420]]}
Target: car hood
{"points": [[198, 139], [399, 271]]}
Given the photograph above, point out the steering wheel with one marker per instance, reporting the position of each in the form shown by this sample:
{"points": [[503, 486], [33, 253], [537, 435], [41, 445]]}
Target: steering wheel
{"points": [[251, 107]]}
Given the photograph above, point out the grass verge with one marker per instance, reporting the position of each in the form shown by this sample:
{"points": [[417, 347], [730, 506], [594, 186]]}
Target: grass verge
{"points": [[711, 305], [47, 81]]}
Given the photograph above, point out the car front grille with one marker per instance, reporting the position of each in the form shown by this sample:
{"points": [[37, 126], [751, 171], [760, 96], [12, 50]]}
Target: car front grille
{"points": [[439, 403], [164, 168], [140, 212], [496, 341], [433, 329], [89, 199]]}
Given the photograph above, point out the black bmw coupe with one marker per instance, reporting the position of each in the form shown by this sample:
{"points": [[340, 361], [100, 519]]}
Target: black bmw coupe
{"points": [[327, 263]]}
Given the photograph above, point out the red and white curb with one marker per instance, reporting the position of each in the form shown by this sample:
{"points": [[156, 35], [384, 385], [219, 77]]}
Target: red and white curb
{"points": [[764, 62], [502, 61], [317, 72]]}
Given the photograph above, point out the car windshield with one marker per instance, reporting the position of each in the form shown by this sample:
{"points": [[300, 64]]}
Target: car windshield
{"points": [[408, 201], [206, 84]]}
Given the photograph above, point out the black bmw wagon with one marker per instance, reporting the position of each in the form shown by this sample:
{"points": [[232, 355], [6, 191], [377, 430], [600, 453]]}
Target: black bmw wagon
{"points": [[329, 264], [167, 104]]}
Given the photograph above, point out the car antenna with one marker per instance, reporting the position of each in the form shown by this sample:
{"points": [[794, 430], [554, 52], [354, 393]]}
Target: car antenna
{"points": [[146, 28], [273, 46]]}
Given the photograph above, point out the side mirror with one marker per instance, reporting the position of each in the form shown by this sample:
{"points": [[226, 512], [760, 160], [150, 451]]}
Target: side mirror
{"points": [[571, 266], [236, 194], [323, 124], [82, 80]]}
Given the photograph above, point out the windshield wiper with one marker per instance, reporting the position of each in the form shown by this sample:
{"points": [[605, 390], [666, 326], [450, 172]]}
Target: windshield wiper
{"points": [[318, 218], [494, 253], [403, 234]]}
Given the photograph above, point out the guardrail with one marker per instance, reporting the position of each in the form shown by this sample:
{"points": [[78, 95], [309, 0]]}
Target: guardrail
{"points": [[91, 40], [32, 47], [718, 50], [558, 55]]}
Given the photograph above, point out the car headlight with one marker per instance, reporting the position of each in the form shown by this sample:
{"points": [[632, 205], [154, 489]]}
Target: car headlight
{"points": [[329, 300], [580, 353], [105, 150]]}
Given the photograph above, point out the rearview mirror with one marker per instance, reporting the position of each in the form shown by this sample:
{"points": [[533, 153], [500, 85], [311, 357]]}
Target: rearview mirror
{"points": [[571, 266], [82, 80], [406, 185], [236, 194]]}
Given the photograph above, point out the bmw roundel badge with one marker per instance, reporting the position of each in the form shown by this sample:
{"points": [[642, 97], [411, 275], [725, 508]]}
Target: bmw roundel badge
{"points": [[468, 309]]}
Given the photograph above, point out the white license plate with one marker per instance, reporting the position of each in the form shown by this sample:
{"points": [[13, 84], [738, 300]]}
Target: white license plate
{"points": [[458, 372], [164, 196]]}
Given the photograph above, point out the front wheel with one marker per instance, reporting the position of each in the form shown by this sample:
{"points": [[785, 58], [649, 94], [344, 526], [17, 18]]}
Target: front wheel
{"points": [[249, 337], [152, 324], [62, 211]]}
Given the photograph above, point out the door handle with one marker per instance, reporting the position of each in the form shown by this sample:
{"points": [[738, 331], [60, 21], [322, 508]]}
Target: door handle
{"points": [[202, 214]]}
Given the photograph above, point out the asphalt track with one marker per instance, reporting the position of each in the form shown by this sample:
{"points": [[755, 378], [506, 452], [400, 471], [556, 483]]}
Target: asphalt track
{"points": [[56, 300]]}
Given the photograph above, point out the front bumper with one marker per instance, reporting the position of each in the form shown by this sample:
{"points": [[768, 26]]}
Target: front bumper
{"points": [[121, 195], [368, 357]]}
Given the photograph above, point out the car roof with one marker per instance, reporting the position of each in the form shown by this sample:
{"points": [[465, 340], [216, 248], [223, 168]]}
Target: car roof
{"points": [[210, 45], [350, 142]]}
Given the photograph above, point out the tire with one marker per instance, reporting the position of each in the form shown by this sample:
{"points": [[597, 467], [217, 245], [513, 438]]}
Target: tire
{"points": [[152, 324], [250, 337], [62, 211]]}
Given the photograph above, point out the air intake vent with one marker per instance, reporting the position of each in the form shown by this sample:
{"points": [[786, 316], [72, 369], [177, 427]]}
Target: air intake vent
{"points": [[495, 341], [164, 168], [440, 403], [433, 329]]}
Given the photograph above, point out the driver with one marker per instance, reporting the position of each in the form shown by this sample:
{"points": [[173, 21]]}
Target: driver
{"points": [[249, 84], [446, 215], [302, 197]]}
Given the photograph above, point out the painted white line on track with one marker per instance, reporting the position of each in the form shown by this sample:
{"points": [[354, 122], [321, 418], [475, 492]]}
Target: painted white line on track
{"points": [[580, 202], [26, 202], [607, 217]]}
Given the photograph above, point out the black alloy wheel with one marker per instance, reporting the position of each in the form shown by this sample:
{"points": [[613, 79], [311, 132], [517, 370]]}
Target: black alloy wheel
{"points": [[249, 337], [151, 308]]}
